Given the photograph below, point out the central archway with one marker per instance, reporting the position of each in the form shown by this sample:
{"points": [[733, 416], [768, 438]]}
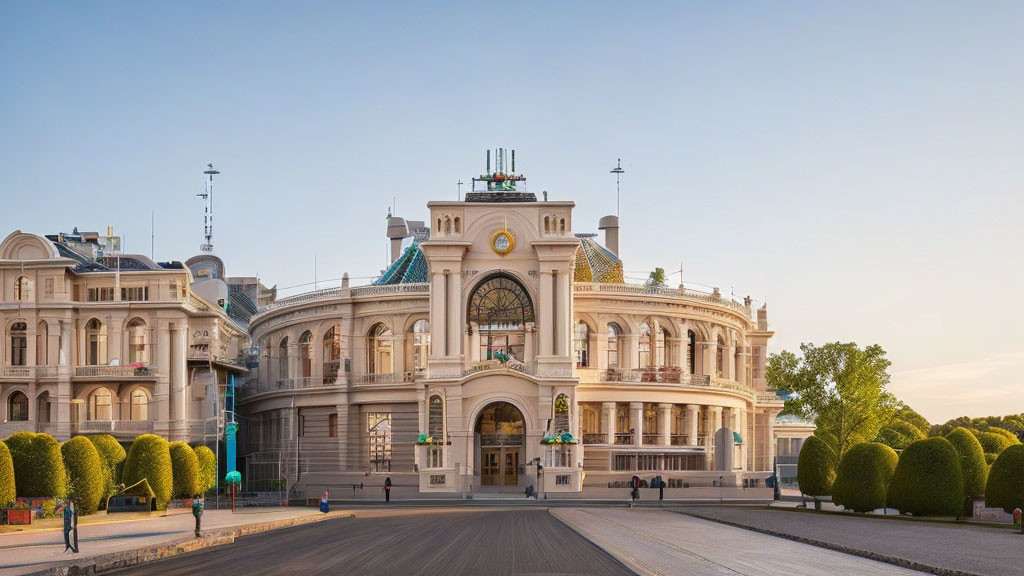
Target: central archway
{"points": [[500, 439], [500, 308]]}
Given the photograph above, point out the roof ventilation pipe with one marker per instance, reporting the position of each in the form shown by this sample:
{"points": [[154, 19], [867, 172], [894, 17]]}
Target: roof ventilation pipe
{"points": [[610, 225]]}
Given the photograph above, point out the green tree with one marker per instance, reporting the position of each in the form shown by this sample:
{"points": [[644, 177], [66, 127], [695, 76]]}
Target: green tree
{"points": [[8, 492], [207, 468], [185, 467], [1005, 489], [149, 458], [927, 480], [112, 457], [657, 278], [972, 466], [993, 442], [838, 385], [38, 466], [863, 476], [85, 473], [816, 469]]}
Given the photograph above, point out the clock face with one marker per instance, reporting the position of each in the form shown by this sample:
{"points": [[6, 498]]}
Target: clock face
{"points": [[502, 242]]}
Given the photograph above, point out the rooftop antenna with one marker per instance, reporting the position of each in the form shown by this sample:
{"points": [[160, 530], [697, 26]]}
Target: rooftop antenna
{"points": [[459, 184], [207, 195], [618, 171]]}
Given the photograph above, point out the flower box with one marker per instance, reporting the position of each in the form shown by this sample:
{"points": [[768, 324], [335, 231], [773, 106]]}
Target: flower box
{"points": [[19, 516]]}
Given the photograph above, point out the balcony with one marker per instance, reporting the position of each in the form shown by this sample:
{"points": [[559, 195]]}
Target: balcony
{"points": [[623, 439], [595, 438], [129, 371], [18, 372], [679, 440], [114, 426], [645, 291], [652, 439], [388, 378], [10, 427]]}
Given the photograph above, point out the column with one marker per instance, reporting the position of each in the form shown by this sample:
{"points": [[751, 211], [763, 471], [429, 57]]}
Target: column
{"points": [[636, 422], [162, 391], [746, 439], [608, 421], [114, 349], [177, 371], [563, 316], [716, 419], [710, 358], [454, 315], [682, 358], [545, 321], [438, 336], [62, 415], [769, 439], [665, 424], [692, 420], [729, 363], [528, 348], [741, 365]]}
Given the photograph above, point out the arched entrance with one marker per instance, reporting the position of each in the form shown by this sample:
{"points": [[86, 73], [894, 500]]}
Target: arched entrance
{"points": [[500, 437]]}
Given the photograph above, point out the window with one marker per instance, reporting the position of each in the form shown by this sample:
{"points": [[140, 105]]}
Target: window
{"points": [[590, 420], [622, 418], [501, 309], [137, 341], [613, 346], [306, 353], [561, 422], [99, 405], [94, 343], [43, 408], [19, 344], [692, 350], [650, 420], [48, 288], [435, 419], [644, 360], [21, 288], [458, 225], [581, 344], [378, 349], [282, 359], [17, 407], [139, 408], [420, 345], [101, 294], [332, 352], [662, 351], [720, 358], [378, 426], [135, 293], [332, 425], [172, 290]]}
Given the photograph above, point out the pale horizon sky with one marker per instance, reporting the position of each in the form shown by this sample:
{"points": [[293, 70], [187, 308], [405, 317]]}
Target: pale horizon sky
{"points": [[857, 166]]}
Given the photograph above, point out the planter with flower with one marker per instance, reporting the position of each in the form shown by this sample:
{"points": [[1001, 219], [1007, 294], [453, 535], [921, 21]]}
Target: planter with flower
{"points": [[559, 439]]}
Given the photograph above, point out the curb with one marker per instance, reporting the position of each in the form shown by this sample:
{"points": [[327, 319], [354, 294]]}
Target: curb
{"points": [[894, 560], [117, 560]]}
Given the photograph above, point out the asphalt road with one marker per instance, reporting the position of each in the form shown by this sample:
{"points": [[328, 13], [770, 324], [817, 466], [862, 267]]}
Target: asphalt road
{"points": [[407, 542]]}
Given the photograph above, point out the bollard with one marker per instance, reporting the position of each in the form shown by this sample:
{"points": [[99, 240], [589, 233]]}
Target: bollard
{"points": [[197, 511]]}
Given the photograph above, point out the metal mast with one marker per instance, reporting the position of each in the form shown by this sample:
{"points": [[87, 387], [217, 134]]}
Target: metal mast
{"points": [[618, 171], [207, 195]]}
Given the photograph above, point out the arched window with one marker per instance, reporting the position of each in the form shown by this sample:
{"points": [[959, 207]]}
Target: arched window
{"points": [[435, 418], [613, 346], [691, 350], [43, 408], [447, 225], [378, 348], [663, 352], [621, 418], [137, 342], [332, 352], [678, 425], [99, 405], [19, 344], [590, 421], [306, 353], [17, 407], [547, 225], [378, 425], [458, 225], [501, 309], [644, 360], [581, 344], [139, 407], [650, 423], [438, 225], [21, 288], [720, 357], [561, 226], [94, 343], [282, 359], [561, 422], [420, 345]]}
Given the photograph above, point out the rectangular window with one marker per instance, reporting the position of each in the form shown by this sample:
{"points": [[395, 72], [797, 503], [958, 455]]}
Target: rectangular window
{"points": [[378, 427], [172, 290], [48, 288], [332, 425], [101, 294], [135, 293], [302, 425]]}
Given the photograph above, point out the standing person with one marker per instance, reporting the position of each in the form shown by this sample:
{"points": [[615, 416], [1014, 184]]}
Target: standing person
{"points": [[67, 525], [387, 489], [74, 516]]}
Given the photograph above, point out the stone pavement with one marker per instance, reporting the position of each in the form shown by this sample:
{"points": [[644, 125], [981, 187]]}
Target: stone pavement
{"points": [[657, 542], [26, 552], [951, 548]]}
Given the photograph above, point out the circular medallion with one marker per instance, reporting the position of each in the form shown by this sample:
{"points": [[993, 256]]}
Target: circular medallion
{"points": [[502, 242]]}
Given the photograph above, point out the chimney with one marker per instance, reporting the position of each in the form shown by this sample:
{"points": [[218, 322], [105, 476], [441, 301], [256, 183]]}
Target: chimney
{"points": [[610, 225], [762, 318], [397, 231]]}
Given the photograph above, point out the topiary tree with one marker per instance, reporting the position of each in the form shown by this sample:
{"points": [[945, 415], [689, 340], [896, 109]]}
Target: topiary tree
{"points": [[972, 466], [149, 457], [927, 480], [38, 465], [85, 473], [990, 458], [207, 468], [112, 457], [8, 492], [1005, 488], [185, 469], [863, 476], [993, 442], [816, 469], [898, 435], [1010, 436]]}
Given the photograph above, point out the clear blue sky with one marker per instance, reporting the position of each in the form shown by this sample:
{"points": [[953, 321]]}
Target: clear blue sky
{"points": [[857, 165]]}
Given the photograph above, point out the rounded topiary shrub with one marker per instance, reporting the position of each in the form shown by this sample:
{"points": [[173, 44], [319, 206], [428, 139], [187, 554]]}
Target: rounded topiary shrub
{"points": [[899, 435], [1010, 436], [149, 458], [972, 463], [927, 480], [85, 473], [990, 458], [1005, 487], [993, 442], [7, 490], [815, 471], [38, 466], [185, 469], [112, 457], [207, 468], [863, 476]]}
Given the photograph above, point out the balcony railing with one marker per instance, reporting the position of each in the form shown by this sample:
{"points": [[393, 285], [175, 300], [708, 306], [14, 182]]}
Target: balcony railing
{"points": [[511, 364], [625, 439], [679, 440], [328, 294], [114, 371], [645, 290], [595, 438], [389, 378], [17, 371], [652, 439], [134, 426]]}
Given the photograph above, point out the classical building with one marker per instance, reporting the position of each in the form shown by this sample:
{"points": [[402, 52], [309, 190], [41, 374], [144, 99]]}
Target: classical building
{"points": [[98, 341], [501, 349]]}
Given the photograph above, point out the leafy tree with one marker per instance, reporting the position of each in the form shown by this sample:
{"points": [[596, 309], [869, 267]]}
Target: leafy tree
{"points": [[928, 480], [8, 492], [863, 476], [656, 278], [1005, 489], [840, 386], [112, 457], [85, 473], [207, 468], [972, 465], [38, 466], [149, 458], [185, 467], [816, 468]]}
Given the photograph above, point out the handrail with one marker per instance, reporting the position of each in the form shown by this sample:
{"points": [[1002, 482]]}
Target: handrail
{"points": [[645, 290], [336, 293]]}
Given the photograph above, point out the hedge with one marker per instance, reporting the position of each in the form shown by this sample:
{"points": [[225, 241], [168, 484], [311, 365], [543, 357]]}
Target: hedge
{"points": [[1005, 489], [207, 468], [993, 442], [7, 490], [112, 457], [990, 458], [815, 471], [85, 474], [899, 435], [185, 469], [927, 480], [149, 458], [38, 466], [1010, 436], [863, 476], [972, 461]]}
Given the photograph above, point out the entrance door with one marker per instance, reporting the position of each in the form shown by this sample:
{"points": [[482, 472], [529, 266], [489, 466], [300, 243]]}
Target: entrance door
{"points": [[490, 472], [511, 467]]}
